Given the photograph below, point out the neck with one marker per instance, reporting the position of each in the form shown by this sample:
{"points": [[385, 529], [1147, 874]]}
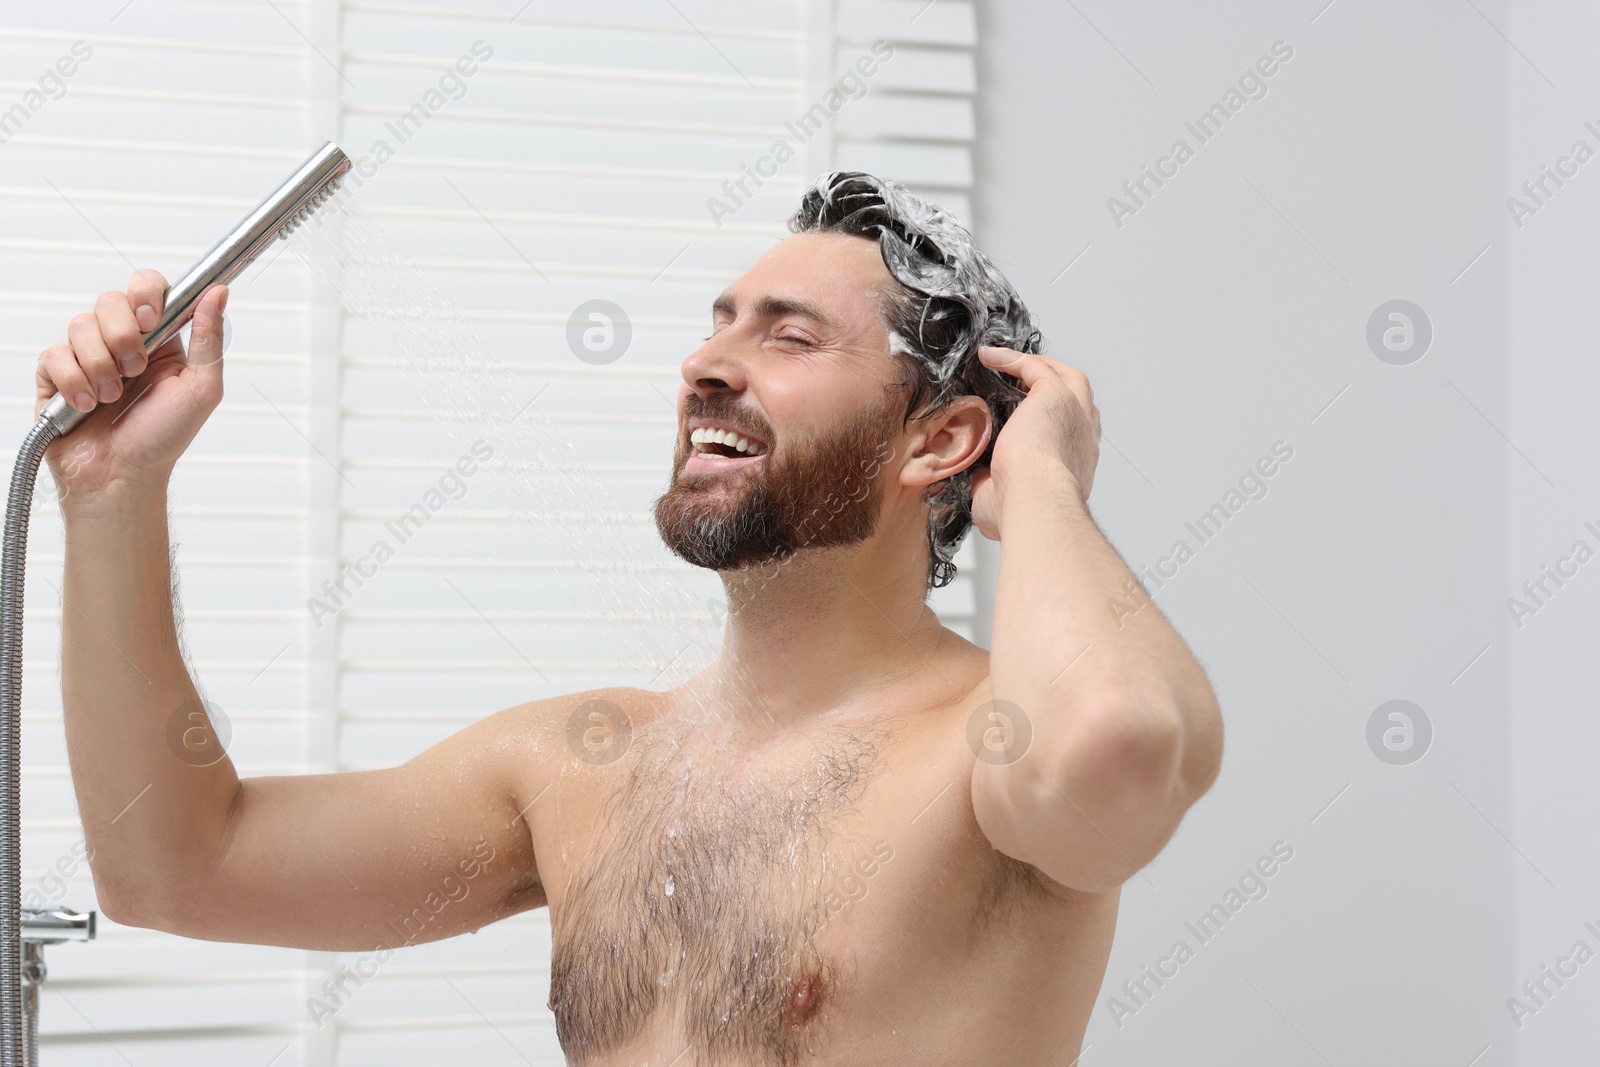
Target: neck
{"points": [[824, 630]]}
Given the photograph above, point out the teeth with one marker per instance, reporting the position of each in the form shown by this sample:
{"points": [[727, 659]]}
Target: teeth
{"points": [[705, 435]]}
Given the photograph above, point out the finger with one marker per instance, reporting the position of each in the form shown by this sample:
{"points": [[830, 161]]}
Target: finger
{"points": [[1088, 390], [120, 331], [170, 351], [1031, 369], [83, 334], [1078, 382], [1078, 385], [1027, 368], [58, 372], [147, 289], [205, 341]]}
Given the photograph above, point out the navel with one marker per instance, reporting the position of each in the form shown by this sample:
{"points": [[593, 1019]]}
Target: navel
{"points": [[805, 1000]]}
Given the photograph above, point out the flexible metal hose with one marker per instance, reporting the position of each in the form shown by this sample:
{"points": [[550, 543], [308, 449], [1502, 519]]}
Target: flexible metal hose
{"points": [[15, 1029]]}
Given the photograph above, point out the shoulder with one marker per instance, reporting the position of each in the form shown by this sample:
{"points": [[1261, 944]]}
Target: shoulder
{"points": [[544, 712], [552, 730]]}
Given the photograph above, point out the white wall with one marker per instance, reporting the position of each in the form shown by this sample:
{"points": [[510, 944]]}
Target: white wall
{"points": [[1553, 379], [1228, 313]]}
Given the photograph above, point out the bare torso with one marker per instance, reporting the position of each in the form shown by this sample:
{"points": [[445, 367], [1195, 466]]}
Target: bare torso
{"points": [[818, 893]]}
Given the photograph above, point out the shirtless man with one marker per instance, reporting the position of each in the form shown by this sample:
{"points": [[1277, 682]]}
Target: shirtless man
{"points": [[855, 839]]}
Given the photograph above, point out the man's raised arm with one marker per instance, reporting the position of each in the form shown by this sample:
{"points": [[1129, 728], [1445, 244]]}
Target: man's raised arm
{"points": [[1125, 729], [334, 861]]}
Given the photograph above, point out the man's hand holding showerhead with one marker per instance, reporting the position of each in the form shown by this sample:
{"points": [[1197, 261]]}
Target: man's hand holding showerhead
{"points": [[155, 403], [1054, 431]]}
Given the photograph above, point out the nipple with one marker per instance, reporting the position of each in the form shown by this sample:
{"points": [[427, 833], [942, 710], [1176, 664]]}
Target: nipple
{"points": [[805, 1000]]}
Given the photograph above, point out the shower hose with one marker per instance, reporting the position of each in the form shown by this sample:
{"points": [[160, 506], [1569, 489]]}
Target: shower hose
{"points": [[18, 1021]]}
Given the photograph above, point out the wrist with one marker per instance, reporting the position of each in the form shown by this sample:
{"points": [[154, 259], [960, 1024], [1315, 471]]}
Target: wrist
{"points": [[1042, 481], [116, 501]]}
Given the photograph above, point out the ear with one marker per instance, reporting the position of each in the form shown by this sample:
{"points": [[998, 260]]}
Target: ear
{"points": [[946, 443]]}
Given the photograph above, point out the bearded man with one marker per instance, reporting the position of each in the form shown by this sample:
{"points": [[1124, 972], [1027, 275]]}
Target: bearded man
{"points": [[854, 838]]}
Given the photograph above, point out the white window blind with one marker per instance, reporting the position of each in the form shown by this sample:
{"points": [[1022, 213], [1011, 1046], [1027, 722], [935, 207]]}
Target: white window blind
{"points": [[583, 157]]}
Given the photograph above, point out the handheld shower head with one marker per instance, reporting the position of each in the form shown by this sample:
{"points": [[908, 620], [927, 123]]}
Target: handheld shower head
{"points": [[291, 204]]}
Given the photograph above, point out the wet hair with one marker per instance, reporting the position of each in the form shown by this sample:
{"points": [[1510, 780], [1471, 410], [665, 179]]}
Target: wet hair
{"points": [[948, 300]]}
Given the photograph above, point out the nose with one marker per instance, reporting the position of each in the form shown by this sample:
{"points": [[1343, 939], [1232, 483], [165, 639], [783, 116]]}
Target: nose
{"points": [[715, 366]]}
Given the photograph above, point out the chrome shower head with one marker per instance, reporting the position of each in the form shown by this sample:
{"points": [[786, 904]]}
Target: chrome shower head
{"points": [[315, 202], [290, 205]]}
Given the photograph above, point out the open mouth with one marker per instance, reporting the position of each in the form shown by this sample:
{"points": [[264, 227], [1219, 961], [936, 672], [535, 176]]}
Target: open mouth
{"points": [[714, 443]]}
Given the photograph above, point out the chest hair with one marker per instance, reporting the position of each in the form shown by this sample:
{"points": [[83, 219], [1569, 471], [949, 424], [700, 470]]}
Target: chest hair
{"points": [[702, 894]]}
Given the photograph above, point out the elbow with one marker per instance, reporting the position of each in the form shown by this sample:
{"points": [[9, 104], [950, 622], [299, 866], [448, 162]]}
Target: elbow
{"points": [[124, 906], [1133, 750], [138, 902], [156, 890], [1096, 802], [1161, 752]]}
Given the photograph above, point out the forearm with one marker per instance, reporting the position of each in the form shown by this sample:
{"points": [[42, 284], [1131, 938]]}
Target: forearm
{"points": [[1073, 628], [152, 817], [1124, 723]]}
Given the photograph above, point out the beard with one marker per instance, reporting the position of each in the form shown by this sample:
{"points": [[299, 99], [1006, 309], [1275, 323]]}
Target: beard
{"points": [[820, 492]]}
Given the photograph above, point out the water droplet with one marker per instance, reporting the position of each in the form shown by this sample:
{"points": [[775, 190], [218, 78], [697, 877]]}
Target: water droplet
{"points": [[670, 885]]}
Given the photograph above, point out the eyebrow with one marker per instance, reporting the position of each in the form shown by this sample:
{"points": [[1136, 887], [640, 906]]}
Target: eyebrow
{"points": [[772, 307]]}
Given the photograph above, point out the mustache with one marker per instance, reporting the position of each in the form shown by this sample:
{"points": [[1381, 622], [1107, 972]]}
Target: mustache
{"points": [[726, 409]]}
